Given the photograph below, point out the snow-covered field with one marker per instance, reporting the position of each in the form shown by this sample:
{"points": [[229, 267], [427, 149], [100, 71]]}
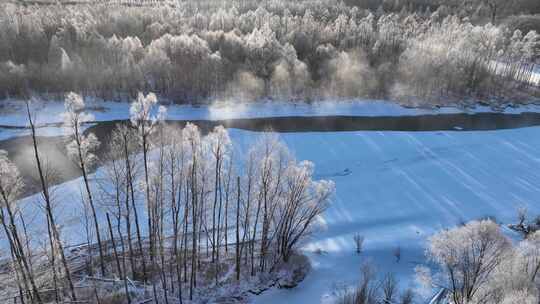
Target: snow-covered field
{"points": [[395, 188], [402, 188]]}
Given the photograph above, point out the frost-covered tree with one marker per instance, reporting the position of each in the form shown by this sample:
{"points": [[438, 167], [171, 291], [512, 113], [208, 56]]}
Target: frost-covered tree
{"points": [[273, 158], [124, 146], [190, 192], [80, 149], [192, 142], [144, 116], [479, 265], [175, 189], [303, 201], [219, 144], [11, 185], [468, 256]]}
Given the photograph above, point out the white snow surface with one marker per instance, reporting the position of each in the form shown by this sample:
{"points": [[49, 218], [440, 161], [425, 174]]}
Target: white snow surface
{"points": [[13, 112], [402, 188], [395, 188]]}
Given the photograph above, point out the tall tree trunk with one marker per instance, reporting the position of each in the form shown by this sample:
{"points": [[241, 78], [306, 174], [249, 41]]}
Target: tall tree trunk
{"points": [[185, 231], [134, 206], [194, 229], [82, 165], [113, 243], [216, 177], [124, 265], [150, 211], [53, 260], [48, 204], [254, 236], [128, 231], [226, 215], [238, 229]]}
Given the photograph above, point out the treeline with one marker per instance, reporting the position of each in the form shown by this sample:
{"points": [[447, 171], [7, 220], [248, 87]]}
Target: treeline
{"points": [[477, 10], [194, 51], [171, 209]]}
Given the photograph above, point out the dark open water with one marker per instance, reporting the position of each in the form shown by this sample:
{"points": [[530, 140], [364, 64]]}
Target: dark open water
{"points": [[52, 148]]}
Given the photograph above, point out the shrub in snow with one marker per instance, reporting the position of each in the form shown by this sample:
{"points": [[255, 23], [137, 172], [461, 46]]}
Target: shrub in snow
{"points": [[358, 242], [373, 289], [397, 253]]}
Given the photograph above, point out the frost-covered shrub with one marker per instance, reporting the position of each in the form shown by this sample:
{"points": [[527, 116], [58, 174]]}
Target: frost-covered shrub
{"points": [[373, 288], [478, 264]]}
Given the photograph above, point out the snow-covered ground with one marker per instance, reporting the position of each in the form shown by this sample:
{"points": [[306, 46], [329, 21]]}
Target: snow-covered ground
{"points": [[395, 188], [13, 112], [402, 188]]}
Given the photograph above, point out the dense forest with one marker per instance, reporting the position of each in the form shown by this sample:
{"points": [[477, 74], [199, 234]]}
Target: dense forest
{"points": [[192, 51]]}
